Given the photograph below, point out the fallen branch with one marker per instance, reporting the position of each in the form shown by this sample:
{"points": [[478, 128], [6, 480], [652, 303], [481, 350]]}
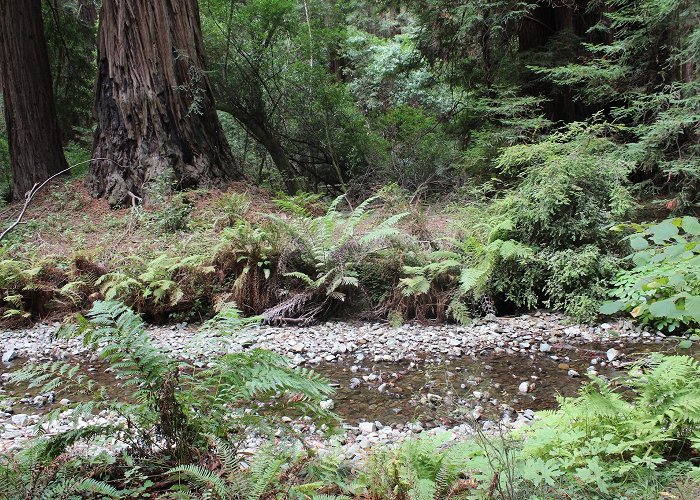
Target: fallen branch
{"points": [[29, 195]]}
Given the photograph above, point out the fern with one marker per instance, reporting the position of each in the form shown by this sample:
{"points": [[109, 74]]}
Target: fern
{"points": [[608, 438], [332, 250], [462, 270]]}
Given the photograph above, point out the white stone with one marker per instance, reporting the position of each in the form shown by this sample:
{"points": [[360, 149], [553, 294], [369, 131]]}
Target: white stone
{"points": [[20, 420], [367, 427], [612, 354], [524, 387], [9, 355]]}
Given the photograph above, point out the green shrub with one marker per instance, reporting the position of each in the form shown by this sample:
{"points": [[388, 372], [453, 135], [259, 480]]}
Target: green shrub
{"points": [[568, 190], [663, 287], [416, 152], [572, 187], [577, 280]]}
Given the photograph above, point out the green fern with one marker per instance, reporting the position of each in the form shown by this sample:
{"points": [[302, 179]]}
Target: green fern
{"points": [[462, 270], [331, 247]]}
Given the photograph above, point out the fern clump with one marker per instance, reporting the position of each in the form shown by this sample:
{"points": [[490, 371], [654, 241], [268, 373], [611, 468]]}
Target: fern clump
{"points": [[161, 286], [607, 439], [460, 274], [326, 254], [248, 255], [175, 406]]}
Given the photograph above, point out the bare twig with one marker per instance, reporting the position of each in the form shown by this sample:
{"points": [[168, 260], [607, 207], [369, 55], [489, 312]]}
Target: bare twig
{"points": [[134, 199], [29, 195]]}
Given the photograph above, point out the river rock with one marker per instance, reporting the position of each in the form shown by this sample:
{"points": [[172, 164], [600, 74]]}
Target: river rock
{"points": [[9, 355], [612, 354], [20, 420], [367, 427]]}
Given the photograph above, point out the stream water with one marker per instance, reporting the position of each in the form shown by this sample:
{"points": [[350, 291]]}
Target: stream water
{"points": [[487, 386]]}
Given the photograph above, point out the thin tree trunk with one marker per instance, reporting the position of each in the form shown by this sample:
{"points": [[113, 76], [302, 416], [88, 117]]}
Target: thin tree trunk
{"points": [[154, 106], [272, 145], [30, 114]]}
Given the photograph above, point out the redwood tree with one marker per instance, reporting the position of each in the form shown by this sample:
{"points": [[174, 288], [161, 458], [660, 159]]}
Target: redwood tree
{"points": [[30, 115], [155, 111]]}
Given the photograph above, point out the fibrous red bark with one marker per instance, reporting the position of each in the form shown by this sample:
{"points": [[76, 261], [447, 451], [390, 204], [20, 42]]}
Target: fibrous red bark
{"points": [[30, 114], [154, 105]]}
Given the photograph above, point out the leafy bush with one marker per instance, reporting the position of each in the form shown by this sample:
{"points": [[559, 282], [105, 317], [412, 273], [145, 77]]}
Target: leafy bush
{"points": [[568, 190], [663, 287], [416, 153], [172, 215], [574, 281], [572, 187]]}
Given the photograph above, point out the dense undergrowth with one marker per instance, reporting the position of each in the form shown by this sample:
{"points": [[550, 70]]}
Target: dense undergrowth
{"points": [[550, 241], [181, 434]]}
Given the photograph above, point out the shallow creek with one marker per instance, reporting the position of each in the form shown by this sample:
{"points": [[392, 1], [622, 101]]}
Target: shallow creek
{"points": [[486, 386]]}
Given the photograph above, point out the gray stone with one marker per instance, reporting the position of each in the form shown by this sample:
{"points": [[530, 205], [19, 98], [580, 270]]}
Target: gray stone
{"points": [[367, 427], [20, 420], [612, 354], [9, 355]]}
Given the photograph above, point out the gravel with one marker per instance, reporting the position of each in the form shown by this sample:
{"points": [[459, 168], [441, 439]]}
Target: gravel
{"points": [[540, 333]]}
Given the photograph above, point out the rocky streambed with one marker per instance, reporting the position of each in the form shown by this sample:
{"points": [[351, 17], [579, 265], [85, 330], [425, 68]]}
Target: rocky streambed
{"points": [[390, 382]]}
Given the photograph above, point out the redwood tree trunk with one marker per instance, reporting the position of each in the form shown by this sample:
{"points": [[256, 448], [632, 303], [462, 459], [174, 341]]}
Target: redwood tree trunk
{"points": [[30, 114], [156, 119]]}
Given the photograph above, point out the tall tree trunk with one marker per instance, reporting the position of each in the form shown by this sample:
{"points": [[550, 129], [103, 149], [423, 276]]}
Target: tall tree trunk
{"points": [[156, 119], [30, 114]]}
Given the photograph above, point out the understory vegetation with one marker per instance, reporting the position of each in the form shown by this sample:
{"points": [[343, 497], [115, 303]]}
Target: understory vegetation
{"points": [[423, 160]]}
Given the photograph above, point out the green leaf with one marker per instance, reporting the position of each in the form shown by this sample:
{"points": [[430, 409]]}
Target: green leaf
{"points": [[691, 225], [666, 308], [638, 242], [664, 231], [612, 307]]}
